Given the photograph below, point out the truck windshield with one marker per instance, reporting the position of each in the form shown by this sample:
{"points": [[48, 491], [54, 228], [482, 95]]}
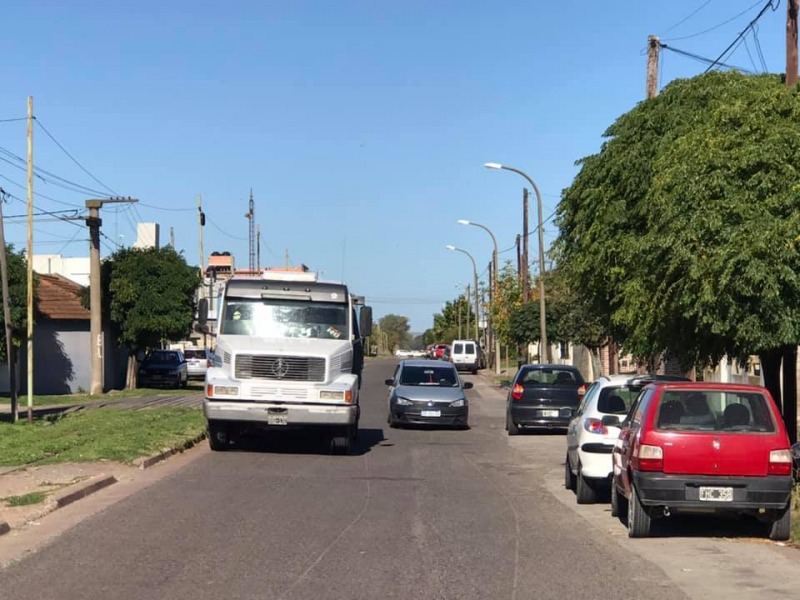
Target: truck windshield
{"points": [[277, 318]]}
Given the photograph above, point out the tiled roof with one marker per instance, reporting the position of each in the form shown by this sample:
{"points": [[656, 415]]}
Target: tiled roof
{"points": [[59, 298]]}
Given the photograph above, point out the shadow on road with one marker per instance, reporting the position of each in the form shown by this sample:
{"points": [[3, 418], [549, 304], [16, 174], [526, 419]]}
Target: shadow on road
{"points": [[301, 442]]}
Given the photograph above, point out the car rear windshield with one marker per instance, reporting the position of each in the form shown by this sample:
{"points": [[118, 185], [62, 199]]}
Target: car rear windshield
{"points": [[442, 376], [533, 377], [194, 353], [712, 410], [164, 357], [617, 400]]}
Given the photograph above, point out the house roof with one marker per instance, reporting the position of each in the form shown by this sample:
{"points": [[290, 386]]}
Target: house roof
{"points": [[60, 298]]}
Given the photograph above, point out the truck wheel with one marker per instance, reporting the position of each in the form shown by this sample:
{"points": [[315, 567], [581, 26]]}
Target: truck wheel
{"points": [[342, 441], [219, 437], [781, 528]]}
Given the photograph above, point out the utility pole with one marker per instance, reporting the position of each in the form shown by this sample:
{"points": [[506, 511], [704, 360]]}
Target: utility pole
{"points": [[251, 216], [29, 260], [258, 248], [526, 294], [653, 48], [94, 222], [12, 376], [201, 221], [468, 310], [518, 243], [172, 237], [791, 43]]}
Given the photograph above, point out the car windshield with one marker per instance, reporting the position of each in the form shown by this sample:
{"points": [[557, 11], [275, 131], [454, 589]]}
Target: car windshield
{"points": [[617, 400], [161, 356], [533, 377], [284, 318], [714, 410], [440, 376]]}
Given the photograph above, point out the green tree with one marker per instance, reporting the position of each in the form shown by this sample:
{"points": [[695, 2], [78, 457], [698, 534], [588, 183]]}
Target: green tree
{"points": [[397, 329], [505, 302], [150, 298], [18, 301], [682, 231]]}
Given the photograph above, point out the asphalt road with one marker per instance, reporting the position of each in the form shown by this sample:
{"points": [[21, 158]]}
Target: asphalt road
{"points": [[417, 513]]}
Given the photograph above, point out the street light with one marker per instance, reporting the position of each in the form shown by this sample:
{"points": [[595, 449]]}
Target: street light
{"points": [[542, 316], [493, 284], [475, 277]]}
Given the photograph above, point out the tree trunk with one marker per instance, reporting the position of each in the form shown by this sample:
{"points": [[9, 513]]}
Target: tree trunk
{"points": [[130, 378], [790, 391], [771, 369]]}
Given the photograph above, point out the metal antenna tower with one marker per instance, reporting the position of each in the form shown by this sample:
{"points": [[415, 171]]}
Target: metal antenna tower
{"points": [[251, 216]]}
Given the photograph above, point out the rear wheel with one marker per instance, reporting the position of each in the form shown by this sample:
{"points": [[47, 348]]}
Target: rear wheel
{"points": [[569, 477], [618, 507], [511, 427], [342, 441], [638, 519], [219, 435], [781, 528], [584, 491]]}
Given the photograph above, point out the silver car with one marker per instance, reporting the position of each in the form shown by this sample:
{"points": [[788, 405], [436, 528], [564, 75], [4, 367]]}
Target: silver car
{"points": [[425, 392], [197, 360]]}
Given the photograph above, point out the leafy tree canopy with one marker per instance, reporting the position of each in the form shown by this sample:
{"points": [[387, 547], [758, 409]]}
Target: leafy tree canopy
{"points": [[18, 292], [397, 329]]}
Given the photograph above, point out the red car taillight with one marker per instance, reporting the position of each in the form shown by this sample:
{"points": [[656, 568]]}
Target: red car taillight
{"points": [[595, 426], [517, 391], [651, 458], [780, 462]]}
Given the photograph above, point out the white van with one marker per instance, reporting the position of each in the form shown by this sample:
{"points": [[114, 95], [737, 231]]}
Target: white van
{"points": [[464, 354]]}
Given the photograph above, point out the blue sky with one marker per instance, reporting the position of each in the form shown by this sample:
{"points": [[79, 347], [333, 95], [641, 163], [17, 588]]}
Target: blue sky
{"points": [[361, 126]]}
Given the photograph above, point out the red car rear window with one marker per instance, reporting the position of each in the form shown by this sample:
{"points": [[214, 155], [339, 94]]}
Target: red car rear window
{"points": [[714, 410]]}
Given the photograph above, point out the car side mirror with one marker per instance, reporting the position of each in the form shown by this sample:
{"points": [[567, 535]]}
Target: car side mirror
{"points": [[389, 381], [468, 385], [610, 420]]}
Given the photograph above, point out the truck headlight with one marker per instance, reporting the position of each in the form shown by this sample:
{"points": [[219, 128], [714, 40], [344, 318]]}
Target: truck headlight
{"points": [[221, 390]]}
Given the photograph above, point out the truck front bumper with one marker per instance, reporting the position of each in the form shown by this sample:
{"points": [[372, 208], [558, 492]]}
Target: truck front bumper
{"points": [[280, 414]]}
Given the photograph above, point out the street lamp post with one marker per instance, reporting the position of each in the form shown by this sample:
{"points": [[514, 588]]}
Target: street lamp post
{"points": [[542, 315], [475, 282], [493, 283]]}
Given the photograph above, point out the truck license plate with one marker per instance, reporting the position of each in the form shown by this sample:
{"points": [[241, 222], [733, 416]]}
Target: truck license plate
{"points": [[716, 494], [277, 420], [431, 413], [548, 413]]}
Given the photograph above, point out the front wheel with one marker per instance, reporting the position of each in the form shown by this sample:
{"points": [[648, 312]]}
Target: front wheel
{"points": [[618, 507], [219, 436], [342, 441], [569, 477]]}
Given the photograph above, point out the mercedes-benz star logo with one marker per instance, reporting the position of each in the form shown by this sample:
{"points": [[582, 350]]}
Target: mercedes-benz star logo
{"points": [[280, 368]]}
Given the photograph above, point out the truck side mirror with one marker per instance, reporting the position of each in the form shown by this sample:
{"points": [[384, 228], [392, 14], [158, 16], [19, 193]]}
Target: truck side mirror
{"points": [[365, 320], [202, 316]]}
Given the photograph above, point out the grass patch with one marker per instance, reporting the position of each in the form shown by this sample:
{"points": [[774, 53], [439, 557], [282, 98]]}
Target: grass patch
{"points": [[25, 499], [119, 435], [39, 401], [796, 513]]}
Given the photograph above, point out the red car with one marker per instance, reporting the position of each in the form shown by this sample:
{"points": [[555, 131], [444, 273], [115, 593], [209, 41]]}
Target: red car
{"points": [[439, 350], [702, 447]]}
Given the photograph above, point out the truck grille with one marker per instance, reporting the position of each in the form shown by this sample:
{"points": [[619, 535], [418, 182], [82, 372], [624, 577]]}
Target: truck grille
{"points": [[284, 368]]}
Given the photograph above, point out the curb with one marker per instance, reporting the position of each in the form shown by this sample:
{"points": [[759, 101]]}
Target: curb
{"points": [[91, 486], [148, 461]]}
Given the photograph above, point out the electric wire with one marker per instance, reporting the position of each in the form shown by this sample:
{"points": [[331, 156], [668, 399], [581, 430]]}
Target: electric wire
{"points": [[773, 4], [154, 207], [759, 50], [65, 151], [749, 54], [710, 29], [13, 120], [703, 59], [222, 231], [689, 16]]}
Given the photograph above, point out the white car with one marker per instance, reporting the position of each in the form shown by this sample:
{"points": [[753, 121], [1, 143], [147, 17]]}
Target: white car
{"points": [[594, 430]]}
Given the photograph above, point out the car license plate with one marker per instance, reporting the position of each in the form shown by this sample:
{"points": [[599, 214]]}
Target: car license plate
{"points": [[277, 420], [548, 413], [716, 494], [431, 413]]}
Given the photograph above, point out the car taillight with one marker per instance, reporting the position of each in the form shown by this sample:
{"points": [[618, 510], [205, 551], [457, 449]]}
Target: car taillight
{"points": [[651, 458], [582, 390], [517, 391], [780, 462], [595, 426]]}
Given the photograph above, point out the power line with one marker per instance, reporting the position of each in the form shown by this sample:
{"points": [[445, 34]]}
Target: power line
{"points": [[703, 59], [154, 207], [710, 29], [222, 231], [84, 169], [13, 120], [741, 35], [689, 16]]}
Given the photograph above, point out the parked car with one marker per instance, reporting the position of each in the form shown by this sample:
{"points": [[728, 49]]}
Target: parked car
{"points": [[427, 392], [703, 447], [197, 362], [464, 355], [165, 368], [543, 396], [591, 437]]}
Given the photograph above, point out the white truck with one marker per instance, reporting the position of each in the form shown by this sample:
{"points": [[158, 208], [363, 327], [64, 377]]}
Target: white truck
{"points": [[289, 354]]}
